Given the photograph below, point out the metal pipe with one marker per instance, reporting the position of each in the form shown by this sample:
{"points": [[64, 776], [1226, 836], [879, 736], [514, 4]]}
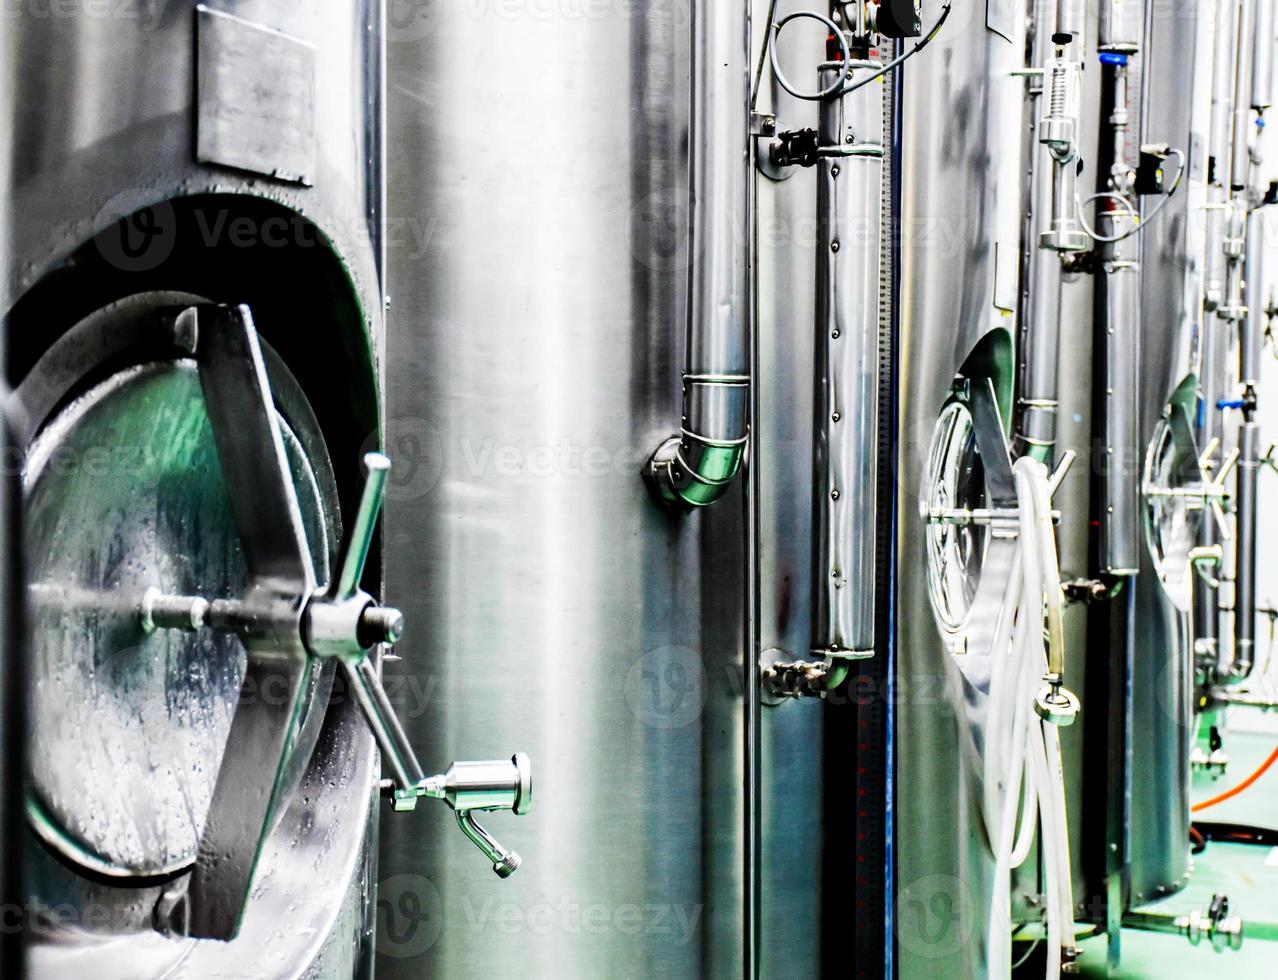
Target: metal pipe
{"points": [[1262, 57], [845, 447], [1257, 77], [1251, 331], [1038, 350], [1071, 21], [696, 467], [1216, 297], [1120, 26], [1220, 146], [1241, 161], [1118, 322], [1245, 553]]}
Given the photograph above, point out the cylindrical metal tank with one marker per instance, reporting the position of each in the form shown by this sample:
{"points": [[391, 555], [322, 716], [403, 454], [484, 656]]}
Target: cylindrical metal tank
{"points": [[538, 172], [1175, 112], [790, 752], [225, 153], [962, 118], [12, 827]]}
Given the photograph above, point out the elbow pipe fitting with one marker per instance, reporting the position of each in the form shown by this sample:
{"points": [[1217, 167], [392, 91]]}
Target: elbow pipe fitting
{"points": [[696, 467]]}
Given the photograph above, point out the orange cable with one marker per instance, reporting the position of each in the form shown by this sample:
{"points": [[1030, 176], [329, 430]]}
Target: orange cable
{"points": [[1264, 766]]}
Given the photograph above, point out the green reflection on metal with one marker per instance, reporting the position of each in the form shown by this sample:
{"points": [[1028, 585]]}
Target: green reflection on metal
{"points": [[719, 464]]}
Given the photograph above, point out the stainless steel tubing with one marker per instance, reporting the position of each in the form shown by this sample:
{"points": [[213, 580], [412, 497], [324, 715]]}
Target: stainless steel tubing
{"points": [[1118, 314], [1250, 334], [1220, 146], [1262, 57], [845, 447], [1071, 21], [1038, 351], [1245, 553], [696, 467], [1120, 26], [1240, 162], [1251, 331]]}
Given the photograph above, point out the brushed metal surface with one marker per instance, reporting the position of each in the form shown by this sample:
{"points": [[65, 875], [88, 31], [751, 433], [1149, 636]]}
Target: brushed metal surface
{"points": [[533, 361], [106, 111], [962, 119], [256, 98], [791, 746], [1172, 328], [12, 720], [846, 415]]}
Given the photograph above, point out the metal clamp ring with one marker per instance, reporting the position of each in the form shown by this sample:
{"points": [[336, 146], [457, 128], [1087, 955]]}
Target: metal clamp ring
{"points": [[830, 89]]}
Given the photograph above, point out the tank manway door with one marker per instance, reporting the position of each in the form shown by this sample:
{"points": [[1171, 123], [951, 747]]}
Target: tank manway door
{"points": [[182, 637]]}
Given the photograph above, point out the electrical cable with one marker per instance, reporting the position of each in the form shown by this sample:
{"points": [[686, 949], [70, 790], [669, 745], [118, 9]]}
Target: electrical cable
{"points": [[1231, 793], [1126, 202], [1197, 842], [841, 86], [763, 57], [1027, 954], [923, 42]]}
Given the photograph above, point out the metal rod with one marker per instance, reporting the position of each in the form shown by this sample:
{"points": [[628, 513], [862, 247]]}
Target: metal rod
{"points": [[360, 538], [397, 750]]}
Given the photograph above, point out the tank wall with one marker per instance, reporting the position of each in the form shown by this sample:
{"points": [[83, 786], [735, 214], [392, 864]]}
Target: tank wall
{"points": [[960, 241], [534, 359], [792, 834]]}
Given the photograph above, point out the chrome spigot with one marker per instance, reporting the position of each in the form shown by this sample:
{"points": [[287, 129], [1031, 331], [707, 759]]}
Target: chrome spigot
{"points": [[468, 787]]}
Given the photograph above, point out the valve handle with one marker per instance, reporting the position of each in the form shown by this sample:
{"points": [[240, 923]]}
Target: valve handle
{"points": [[355, 554]]}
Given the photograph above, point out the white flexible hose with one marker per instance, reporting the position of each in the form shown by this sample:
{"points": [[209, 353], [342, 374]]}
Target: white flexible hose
{"points": [[1024, 781]]}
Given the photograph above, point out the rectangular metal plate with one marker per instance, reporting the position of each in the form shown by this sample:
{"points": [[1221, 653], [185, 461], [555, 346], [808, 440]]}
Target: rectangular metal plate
{"points": [[255, 97], [1000, 17]]}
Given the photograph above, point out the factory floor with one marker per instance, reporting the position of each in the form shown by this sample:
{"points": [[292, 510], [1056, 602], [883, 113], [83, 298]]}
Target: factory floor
{"points": [[1247, 873]]}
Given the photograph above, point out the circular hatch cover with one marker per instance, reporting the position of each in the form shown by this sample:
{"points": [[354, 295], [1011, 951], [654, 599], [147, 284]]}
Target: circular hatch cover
{"points": [[123, 492]]}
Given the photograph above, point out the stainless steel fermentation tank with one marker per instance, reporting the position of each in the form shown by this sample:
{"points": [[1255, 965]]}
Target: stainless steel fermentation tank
{"points": [[539, 165], [962, 111], [178, 159]]}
